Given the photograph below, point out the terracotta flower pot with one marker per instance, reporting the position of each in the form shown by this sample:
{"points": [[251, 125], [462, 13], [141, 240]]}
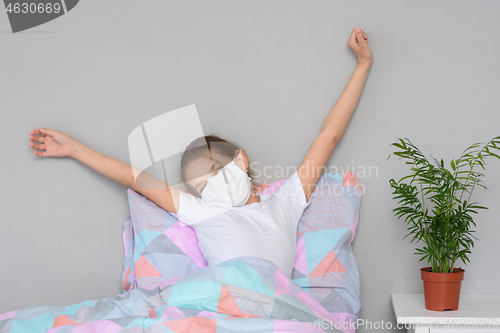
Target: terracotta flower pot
{"points": [[442, 290]]}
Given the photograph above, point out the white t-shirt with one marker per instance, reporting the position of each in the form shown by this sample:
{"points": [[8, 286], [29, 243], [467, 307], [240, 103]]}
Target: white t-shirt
{"points": [[265, 229]]}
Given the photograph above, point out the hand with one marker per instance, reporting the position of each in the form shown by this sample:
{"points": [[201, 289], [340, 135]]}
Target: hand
{"points": [[55, 143], [358, 42]]}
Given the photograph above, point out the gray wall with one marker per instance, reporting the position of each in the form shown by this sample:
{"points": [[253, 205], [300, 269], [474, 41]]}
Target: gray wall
{"points": [[262, 73]]}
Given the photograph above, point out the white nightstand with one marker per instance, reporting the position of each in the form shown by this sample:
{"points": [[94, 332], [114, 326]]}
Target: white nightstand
{"points": [[475, 314]]}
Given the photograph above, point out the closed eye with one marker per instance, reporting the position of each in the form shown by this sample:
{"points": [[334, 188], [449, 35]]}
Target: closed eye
{"points": [[216, 173]]}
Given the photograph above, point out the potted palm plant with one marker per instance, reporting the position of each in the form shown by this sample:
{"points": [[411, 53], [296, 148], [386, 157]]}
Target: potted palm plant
{"points": [[435, 201]]}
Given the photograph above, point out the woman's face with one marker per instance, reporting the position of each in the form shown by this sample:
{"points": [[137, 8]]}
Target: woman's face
{"points": [[205, 166]]}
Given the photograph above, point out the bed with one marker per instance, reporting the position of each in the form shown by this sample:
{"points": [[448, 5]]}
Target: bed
{"points": [[169, 287]]}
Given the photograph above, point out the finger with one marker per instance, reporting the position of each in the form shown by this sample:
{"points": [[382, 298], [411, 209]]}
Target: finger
{"points": [[365, 36], [359, 37], [40, 153], [37, 146], [35, 132], [37, 138], [47, 131], [352, 39]]}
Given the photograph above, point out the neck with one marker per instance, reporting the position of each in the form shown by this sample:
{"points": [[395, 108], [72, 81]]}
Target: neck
{"points": [[253, 197]]}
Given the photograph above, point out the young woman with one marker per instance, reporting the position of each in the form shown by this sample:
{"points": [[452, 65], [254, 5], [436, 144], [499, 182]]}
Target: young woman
{"points": [[230, 218]]}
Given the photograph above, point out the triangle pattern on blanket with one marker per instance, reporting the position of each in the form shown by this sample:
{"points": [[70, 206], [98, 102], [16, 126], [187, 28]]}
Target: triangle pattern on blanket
{"points": [[329, 264], [189, 312], [63, 320], [162, 244], [283, 309], [319, 244], [297, 274], [226, 303], [143, 268]]}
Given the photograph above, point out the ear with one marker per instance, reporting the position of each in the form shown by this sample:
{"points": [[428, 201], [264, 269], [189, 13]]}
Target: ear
{"points": [[241, 159]]}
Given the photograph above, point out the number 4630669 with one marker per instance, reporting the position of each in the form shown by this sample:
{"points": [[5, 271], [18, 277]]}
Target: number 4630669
{"points": [[33, 8]]}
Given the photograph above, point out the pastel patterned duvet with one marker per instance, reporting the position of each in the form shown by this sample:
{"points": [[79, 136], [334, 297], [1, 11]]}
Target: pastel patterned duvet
{"points": [[168, 286]]}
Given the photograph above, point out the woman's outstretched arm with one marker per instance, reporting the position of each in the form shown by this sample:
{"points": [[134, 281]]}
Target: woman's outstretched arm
{"points": [[58, 144], [337, 119]]}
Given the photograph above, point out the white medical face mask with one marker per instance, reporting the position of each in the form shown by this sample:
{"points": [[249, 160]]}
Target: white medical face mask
{"points": [[231, 187]]}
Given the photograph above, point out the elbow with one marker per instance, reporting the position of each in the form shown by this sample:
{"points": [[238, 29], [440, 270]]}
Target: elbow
{"points": [[129, 181], [132, 176], [336, 138], [333, 135]]}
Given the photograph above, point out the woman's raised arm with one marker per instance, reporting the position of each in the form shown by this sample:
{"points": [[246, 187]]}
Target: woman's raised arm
{"points": [[58, 144], [337, 119]]}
